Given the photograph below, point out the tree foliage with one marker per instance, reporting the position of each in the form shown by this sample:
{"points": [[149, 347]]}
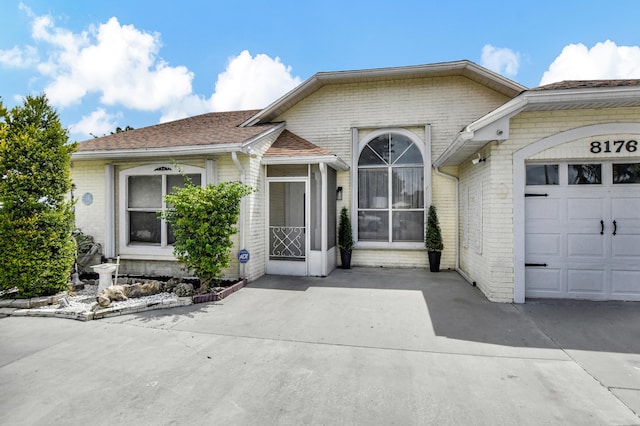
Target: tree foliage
{"points": [[345, 236], [203, 221], [36, 218], [433, 239]]}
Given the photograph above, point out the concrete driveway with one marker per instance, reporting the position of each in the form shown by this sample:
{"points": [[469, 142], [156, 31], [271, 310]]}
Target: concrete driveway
{"points": [[364, 346]]}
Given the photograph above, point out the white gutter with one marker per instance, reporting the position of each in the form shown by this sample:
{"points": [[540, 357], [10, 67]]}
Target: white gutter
{"points": [[155, 152], [171, 151], [332, 160], [454, 68], [246, 145], [234, 157], [533, 98]]}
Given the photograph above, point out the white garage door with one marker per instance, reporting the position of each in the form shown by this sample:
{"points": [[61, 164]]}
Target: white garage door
{"points": [[582, 233]]}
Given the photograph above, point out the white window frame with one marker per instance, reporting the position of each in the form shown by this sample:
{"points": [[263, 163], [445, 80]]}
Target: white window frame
{"points": [[141, 250], [359, 146]]}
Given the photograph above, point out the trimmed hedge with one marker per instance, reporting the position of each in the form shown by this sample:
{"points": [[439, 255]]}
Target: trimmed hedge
{"points": [[36, 219]]}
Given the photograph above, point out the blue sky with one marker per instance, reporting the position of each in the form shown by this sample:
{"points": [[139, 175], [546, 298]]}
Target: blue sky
{"points": [[136, 62]]}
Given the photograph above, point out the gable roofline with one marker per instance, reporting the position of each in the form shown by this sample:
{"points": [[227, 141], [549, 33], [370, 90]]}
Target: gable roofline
{"points": [[463, 68], [494, 126], [244, 147], [290, 148]]}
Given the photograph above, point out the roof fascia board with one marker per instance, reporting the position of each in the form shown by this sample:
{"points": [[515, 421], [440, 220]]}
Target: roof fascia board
{"points": [[551, 97], [304, 86], [332, 160], [173, 151], [318, 80], [252, 141], [155, 152], [527, 100]]}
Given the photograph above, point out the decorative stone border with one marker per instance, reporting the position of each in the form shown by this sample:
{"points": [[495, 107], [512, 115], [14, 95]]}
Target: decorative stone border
{"points": [[214, 297], [103, 313], [34, 302], [35, 307]]}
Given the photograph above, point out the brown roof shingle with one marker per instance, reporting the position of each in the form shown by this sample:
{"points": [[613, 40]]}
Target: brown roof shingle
{"points": [[206, 129], [585, 84], [289, 144]]}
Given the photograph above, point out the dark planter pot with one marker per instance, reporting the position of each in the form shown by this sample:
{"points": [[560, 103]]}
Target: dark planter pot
{"points": [[345, 258], [434, 261]]}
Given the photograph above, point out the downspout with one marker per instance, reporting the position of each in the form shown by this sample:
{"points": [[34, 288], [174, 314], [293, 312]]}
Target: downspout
{"points": [[457, 183], [234, 157]]}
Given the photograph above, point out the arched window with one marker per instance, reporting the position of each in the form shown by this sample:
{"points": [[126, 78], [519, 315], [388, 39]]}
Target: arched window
{"points": [[390, 190]]}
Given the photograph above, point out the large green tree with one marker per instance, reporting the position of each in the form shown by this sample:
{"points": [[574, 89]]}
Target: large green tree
{"points": [[36, 217]]}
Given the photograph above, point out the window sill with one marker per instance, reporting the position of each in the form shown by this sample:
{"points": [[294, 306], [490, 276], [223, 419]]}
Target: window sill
{"points": [[370, 245], [146, 252]]}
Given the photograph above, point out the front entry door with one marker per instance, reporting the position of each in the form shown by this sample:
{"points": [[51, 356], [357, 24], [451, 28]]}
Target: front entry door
{"points": [[287, 231]]}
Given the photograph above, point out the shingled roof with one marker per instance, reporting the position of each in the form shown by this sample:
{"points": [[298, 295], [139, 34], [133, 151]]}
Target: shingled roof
{"points": [[289, 144], [586, 84], [206, 129]]}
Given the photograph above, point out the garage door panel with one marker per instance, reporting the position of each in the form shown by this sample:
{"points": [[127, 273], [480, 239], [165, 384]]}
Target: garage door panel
{"points": [[625, 208], [542, 208], [585, 281], [544, 226], [626, 283], [543, 279], [585, 245], [587, 235], [542, 244], [584, 208], [626, 247]]}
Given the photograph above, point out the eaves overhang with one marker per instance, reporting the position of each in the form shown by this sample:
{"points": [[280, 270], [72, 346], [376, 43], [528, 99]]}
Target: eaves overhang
{"points": [[176, 151], [494, 126], [456, 68], [196, 150], [332, 160]]}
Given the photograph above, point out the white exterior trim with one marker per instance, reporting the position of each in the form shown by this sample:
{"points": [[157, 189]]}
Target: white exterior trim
{"points": [[519, 176], [147, 251], [110, 212], [358, 145]]}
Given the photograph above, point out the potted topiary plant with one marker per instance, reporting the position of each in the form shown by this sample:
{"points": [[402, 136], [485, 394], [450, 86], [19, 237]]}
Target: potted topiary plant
{"points": [[433, 240], [345, 238]]}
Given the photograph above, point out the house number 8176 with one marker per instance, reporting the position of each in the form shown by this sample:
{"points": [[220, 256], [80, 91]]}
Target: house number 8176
{"points": [[598, 147]]}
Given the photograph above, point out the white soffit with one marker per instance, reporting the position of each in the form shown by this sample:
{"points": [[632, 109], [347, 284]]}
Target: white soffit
{"points": [[495, 125], [463, 68]]}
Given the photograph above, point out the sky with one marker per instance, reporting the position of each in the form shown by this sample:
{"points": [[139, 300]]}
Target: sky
{"points": [[137, 63]]}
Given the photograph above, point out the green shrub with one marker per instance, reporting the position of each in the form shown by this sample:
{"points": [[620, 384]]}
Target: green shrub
{"points": [[36, 219], [345, 237], [433, 239], [203, 221]]}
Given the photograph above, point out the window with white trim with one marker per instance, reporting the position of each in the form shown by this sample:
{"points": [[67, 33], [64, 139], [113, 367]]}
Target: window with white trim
{"points": [[390, 201], [142, 192]]}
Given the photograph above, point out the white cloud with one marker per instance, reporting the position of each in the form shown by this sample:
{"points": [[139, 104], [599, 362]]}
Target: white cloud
{"points": [[247, 83], [117, 61], [19, 58], [97, 123], [603, 61], [501, 60], [122, 66], [252, 82]]}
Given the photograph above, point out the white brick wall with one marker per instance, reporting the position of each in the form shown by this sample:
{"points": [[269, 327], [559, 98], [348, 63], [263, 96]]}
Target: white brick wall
{"points": [[446, 103], [493, 270], [88, 176]]}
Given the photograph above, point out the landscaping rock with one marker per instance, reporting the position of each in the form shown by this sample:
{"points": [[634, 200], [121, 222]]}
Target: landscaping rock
{"points": [[184, 290]]}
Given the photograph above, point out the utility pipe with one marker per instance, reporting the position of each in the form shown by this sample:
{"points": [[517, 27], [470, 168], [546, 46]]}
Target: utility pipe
{"points": [[457, 183], [236, 161]]}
